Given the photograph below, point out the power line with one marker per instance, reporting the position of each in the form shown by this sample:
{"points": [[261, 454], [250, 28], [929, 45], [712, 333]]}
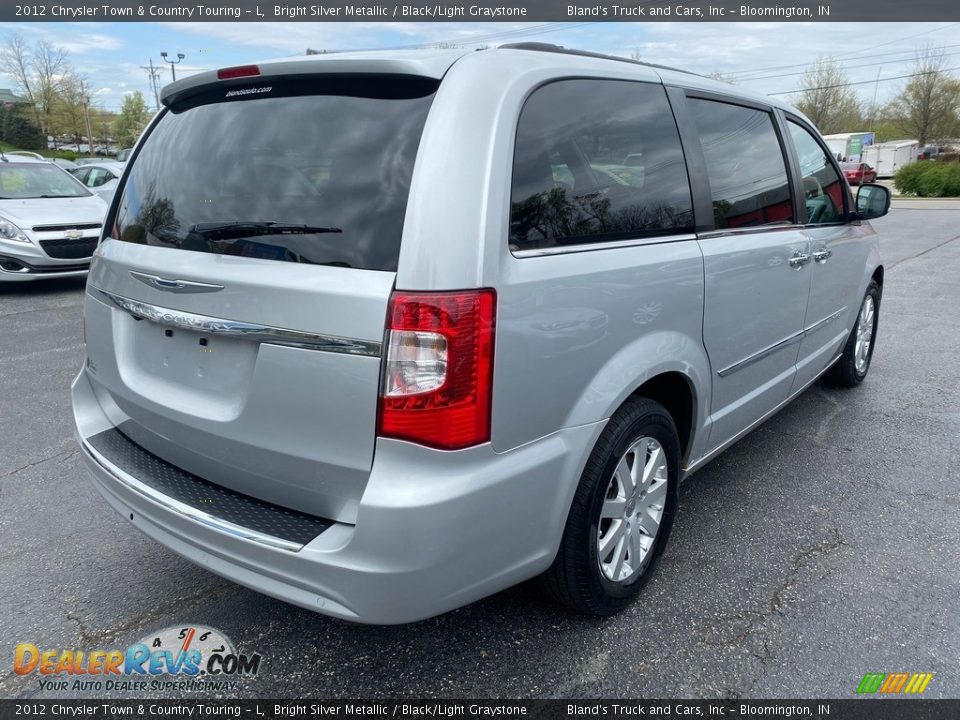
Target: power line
{"points": [[894, 42], [866, 82], [842, 67], [853, 54], [910, 53]]}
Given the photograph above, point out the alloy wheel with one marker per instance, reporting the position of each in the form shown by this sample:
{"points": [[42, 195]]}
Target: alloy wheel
{"points": [[864, 338], [632, 510]]}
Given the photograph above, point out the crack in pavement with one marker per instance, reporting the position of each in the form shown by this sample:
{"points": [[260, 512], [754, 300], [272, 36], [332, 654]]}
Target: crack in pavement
{"points": [[892, 265], [42, 309], [91, 638], [64, 455], [776, 606]]}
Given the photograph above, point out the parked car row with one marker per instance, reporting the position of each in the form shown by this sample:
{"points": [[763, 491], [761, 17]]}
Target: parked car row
{"points": [[100, 176]]}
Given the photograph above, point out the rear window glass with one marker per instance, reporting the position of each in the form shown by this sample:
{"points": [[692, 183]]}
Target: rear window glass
{"points": [[314, 172], [597, 160]]}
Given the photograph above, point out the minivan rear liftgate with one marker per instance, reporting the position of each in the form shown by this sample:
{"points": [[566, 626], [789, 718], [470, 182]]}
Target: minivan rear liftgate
{"points": [[239, 301]]}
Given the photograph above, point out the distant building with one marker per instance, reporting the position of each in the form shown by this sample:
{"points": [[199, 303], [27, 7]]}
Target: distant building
{"points": [[8, 98]]}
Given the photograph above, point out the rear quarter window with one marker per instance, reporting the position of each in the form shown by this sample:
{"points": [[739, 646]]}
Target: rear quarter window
{"points": [[597, 161], [317, 172]]}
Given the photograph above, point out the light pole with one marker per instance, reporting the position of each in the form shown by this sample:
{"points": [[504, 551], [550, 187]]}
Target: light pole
{"points": [[86, 117], [173, 72]]}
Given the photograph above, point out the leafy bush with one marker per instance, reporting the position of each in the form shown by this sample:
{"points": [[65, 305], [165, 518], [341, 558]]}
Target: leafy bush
{"points": [[929, 179], [18, 129]]}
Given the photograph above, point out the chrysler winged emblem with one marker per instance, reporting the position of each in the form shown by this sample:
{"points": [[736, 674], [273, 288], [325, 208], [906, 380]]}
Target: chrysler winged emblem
{"points": [[174, 286]]}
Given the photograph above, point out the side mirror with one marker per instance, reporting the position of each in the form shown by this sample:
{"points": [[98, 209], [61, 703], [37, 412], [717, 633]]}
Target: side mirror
{"points": [[873, 201]]}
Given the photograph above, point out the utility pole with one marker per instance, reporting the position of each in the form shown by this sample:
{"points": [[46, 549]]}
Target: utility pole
{"points": [[86, 117], [172, 63], [154, 73]]}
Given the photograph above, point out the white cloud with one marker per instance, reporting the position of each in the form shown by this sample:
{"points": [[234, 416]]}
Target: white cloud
{"points": [[88, 42]]}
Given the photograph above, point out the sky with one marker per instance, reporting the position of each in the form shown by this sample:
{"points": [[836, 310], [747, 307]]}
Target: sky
{"points": [[765, 57]]}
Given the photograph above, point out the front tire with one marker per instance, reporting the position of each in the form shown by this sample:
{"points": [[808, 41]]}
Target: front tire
{"points": [[621, 514], [854, 364]]}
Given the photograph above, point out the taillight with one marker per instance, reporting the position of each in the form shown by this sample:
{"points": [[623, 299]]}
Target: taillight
{"points": [[438, 370], [238, 72]]}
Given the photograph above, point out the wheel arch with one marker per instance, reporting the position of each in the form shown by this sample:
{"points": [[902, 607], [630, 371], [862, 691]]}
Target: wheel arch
{"points": [[676, 392]]}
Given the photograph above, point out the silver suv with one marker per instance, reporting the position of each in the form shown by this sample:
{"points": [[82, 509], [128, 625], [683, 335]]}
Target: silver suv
{"points": [[383, 334]]}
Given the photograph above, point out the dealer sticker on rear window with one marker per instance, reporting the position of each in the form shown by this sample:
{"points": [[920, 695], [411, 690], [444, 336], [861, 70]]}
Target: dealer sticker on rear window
{"points": [[249, 91]]}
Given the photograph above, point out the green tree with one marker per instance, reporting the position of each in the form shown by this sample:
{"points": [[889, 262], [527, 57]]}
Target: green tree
{"points": [[133, 117], [19, 129], [927, 109], [40, 72], [827, 98]]}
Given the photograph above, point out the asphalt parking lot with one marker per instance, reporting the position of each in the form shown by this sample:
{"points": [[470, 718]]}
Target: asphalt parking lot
{"points": [[823, 546]]}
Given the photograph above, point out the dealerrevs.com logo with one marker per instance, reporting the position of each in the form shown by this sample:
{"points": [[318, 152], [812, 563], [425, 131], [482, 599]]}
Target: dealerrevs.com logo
{"points": [[894, 683], [176, 658]]}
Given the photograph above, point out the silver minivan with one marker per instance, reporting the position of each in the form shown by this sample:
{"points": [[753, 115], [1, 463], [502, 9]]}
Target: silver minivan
{"points": [[381, 334]]}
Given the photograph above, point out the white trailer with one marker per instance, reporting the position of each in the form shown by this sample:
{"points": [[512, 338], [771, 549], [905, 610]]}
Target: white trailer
{"points": [[849, 146], [886, 158]]}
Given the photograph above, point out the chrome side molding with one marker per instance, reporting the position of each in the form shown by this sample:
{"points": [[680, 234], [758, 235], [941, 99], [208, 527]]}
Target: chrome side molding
{"points": [[708, 456], [790, 340], [255, 332]]}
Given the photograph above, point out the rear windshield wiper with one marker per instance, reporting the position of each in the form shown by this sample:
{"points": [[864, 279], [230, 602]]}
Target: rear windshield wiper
{"points": [[227, 230]]}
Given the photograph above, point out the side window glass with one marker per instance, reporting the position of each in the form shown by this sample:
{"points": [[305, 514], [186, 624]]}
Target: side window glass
{"points": [[823, 188], [597, 160], [745, 165]]}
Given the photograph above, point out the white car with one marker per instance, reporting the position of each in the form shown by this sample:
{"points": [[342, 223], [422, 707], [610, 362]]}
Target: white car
{"points": [[100, 177], [49, 222]]}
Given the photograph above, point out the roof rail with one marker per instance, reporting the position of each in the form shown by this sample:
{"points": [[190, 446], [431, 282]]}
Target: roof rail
{"points": [[27, 153], [550, 47]]}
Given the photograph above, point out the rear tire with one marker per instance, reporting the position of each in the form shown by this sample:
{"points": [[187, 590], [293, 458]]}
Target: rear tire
{"points": [[854, 364], [621, 514]]}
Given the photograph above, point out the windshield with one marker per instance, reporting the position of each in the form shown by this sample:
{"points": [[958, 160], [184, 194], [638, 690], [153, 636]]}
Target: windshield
{"points": [[20, 181], [319, 178]]}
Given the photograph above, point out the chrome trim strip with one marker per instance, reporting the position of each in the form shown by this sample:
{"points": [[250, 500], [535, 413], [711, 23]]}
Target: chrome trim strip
{"points": [[234, 328], [174, 286], [740, 364], [697, 464], [609, 245], [828, 319], [729, 232], [184, 510]]}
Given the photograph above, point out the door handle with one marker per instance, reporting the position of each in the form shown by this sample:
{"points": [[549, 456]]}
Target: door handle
{"points": [[799, 260], [822, 254]]}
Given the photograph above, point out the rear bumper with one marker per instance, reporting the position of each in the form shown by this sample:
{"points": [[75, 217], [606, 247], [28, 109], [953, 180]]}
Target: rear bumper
{"points": [[435, 530]]}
